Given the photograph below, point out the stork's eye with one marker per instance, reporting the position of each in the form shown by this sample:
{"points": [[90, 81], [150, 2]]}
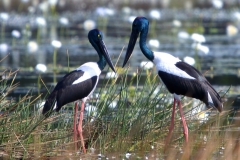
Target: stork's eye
{"points": [[99, 35]]}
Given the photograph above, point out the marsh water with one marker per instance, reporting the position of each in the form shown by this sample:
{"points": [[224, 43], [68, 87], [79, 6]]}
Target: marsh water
{"points": [[171, 33]]}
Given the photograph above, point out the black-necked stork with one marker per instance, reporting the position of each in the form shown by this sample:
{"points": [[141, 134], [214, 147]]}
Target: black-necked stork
{"points": [[179, 77], [80, 83]]}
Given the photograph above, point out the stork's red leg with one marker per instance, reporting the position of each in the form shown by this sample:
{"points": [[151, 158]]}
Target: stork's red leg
{"points": [[185, 128], [80, 127], [75, 125], [171, 127]]}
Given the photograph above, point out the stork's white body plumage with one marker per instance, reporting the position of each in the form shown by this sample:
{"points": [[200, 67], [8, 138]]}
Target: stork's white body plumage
{"points": [[90, 69], [167, 63]]}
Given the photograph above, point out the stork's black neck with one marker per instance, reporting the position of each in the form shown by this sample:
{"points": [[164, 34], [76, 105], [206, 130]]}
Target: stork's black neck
{"points": [[146, 51], [102, 62]]}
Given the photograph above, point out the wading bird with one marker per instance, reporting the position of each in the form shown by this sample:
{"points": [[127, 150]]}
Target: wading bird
{"points": [[179, 77], [79, 84]]}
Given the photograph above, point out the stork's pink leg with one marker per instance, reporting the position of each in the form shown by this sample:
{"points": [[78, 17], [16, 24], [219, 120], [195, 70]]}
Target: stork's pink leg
{"points": [[75, 125], [185, 128], [171, 127], [80, 130]]}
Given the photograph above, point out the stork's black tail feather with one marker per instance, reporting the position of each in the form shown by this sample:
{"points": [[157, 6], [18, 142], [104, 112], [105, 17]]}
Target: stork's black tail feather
{"points": [[49, 104], [216, 100]]}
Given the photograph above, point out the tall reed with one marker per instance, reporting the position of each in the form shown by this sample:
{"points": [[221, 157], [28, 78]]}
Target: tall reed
{"points": [[129, 117]]}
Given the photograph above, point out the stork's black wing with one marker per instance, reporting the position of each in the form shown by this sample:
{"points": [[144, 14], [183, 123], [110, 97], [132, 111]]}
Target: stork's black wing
{"points": [[66, 92], [198, 88]]}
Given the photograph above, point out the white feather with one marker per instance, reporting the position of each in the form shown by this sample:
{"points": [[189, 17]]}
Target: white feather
{"points": [[210, 99], [90, 69], [166, 63], [177, 97]]}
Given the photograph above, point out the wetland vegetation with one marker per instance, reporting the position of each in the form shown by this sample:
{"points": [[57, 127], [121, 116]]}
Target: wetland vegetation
{"points": [[128, 115]]}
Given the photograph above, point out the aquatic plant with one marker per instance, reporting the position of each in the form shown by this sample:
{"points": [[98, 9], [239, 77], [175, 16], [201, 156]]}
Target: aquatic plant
{"points": [[64, 24], [42, 25], [155, 16], [56, 45], [4, 18], [198, 39], [15, 34]]}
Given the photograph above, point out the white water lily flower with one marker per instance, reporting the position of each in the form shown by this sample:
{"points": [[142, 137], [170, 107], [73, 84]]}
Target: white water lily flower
{"points": [[89, 25], [41, 68], [56, 44], [3, 48], [103, 11], [52, 2], [236, 15], [4, 16], [200, 47], [198, 38], [31, 9], [217, 4], [131, 19], [189, 60], [204, 49], [32, 46], [155, 14], [154, 43], [126, 10], [44, 6], [111, 75], [64, 21], [41, 21], [177, 23], [146, 65], [16, 34], [231, 30], [183, 35]]}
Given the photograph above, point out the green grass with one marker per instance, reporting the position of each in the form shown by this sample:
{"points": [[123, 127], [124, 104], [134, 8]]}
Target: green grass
{"points": [[138, 125]]}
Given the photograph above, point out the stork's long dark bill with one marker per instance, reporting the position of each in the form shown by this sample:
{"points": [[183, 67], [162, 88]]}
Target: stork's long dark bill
{"points": [[131, 44], [106, 55]]}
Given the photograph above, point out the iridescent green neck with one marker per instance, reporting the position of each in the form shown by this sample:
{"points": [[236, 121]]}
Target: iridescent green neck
{"points": [[146, 51], [102, 62]]}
